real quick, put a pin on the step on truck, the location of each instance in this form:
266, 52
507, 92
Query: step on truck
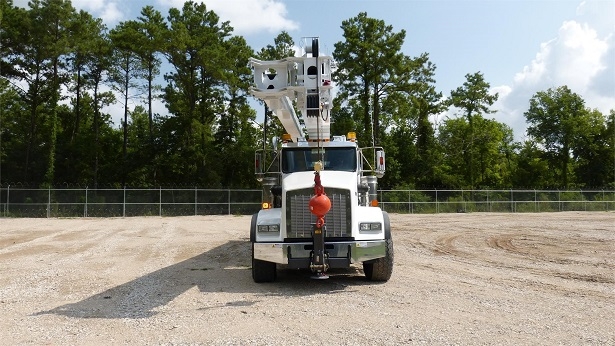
320, 207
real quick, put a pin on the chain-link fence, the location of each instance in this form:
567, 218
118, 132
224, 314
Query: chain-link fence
515, 201
26, 202
84, 202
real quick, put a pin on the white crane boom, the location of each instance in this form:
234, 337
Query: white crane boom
305, 80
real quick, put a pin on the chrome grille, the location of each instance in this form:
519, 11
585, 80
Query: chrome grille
299, 220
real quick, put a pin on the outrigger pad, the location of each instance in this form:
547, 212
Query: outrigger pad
320, 276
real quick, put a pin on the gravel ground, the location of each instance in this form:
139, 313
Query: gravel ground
467, 279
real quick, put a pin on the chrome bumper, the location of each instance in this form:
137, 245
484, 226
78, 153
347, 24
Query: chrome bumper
360, 251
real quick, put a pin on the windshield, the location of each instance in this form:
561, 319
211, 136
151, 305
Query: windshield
303, 159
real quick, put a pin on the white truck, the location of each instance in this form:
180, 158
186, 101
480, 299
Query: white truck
320, 207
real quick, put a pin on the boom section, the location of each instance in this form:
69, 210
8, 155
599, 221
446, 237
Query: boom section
302, 83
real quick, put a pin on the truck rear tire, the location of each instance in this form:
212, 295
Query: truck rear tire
380, 269
263, 271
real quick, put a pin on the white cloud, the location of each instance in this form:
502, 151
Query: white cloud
90, 5
247, 16
578, 58
581, 8
574, 58
536, 70
502, 91
107, 10
111, 13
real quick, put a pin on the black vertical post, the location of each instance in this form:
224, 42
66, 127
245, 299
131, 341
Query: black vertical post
319, 260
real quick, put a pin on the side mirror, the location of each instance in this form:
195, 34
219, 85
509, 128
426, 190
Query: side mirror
380, 163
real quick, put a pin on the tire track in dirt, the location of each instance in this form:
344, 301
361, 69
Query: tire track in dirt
536, 259
30, 242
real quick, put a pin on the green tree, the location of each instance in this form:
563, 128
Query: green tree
283, 47
12, 107
96, 73
412, 131
38, 62
556, 118
427, 103
138, 149
235, 137
11, 25
492, 148
532, 169
12, 141
148, 46
57, 15
75, 126
196, 49
474, 100
125, 73
371, 67
342, 119
453, 138
151, 31
593, 151
83, 32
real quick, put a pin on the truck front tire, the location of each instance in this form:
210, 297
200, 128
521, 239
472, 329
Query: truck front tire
263, 271
380, 269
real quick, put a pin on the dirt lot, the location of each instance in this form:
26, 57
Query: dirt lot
458, 279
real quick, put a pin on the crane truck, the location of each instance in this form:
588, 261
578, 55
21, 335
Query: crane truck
320, 207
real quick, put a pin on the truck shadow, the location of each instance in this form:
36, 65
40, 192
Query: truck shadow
220, 269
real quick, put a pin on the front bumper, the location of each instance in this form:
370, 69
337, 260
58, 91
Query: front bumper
340, 253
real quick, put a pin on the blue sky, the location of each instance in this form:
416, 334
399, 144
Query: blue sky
521, 47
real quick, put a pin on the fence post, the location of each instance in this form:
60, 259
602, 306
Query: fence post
195, 201
535, 201
159, 200
48, 201
228, 191
8, 191
437, 205
409, 203
124, 203
512, 201
85, 207
488, 203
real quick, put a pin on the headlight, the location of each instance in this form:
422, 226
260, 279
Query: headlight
269, 228
370, 227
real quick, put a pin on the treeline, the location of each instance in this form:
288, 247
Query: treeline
62, 69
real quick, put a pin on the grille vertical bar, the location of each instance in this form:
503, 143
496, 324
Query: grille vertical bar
299, 220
